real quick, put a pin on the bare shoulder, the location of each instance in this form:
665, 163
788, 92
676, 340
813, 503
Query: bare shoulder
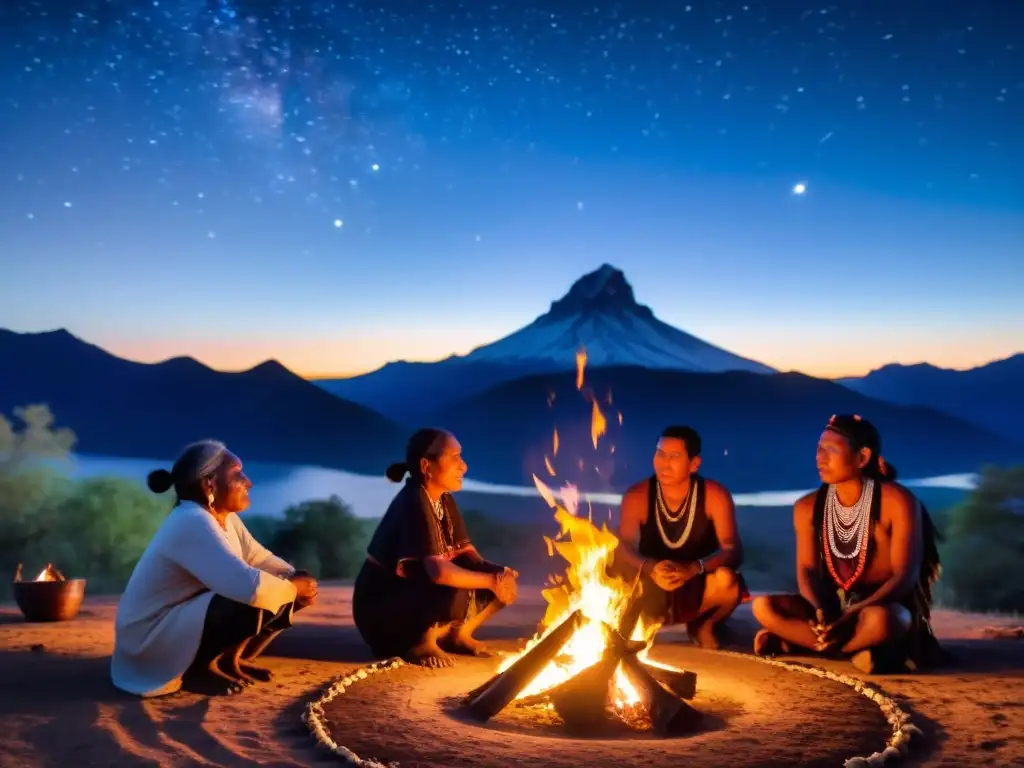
803, 509
634, 500
896, 499
637, 491
717, 495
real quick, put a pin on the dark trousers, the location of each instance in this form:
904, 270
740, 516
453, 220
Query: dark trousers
230, 623
393, 613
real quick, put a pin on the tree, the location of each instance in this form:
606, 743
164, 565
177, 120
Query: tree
324, 537
29, 488
101, 529
985, 545
95, 528
37, 439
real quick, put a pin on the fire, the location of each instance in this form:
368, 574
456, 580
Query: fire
49, 573
598, 424
586, 586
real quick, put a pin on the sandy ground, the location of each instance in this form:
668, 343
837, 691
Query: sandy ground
58, 708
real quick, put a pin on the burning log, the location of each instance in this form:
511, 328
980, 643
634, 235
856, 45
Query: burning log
582, 700
667, 711
496, 694
681, 682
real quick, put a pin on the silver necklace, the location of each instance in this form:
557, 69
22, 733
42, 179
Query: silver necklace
688, 509
438, 507
844, 525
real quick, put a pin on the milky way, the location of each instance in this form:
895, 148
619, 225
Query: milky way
337, 117
307, 96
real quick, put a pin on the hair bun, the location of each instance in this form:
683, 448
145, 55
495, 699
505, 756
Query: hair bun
396, 471
160, 481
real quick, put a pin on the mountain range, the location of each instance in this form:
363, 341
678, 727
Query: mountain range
504, 399
991, 395
117, 407
759, 431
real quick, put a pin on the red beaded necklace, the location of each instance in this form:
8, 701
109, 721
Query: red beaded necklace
861, 560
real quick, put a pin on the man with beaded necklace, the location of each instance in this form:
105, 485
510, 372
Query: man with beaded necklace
679, 530
866, 562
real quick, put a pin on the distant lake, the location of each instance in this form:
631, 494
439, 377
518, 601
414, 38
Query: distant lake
277, 486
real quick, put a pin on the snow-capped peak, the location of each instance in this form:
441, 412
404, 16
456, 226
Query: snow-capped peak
601, 313
604, 290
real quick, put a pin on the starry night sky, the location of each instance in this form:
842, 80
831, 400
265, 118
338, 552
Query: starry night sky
340, 184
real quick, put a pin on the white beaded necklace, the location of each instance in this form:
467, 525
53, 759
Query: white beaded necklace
846, 524
687, 508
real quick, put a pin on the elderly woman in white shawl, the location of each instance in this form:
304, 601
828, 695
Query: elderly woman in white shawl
205, 598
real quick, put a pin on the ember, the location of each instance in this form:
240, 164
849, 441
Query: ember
588, 659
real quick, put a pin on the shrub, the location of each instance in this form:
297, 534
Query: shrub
323, 537
985, 544
95, 528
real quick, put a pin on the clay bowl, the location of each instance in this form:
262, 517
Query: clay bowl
49, 600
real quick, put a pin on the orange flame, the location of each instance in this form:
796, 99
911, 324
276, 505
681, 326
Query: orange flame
49, 573
554, 443
598, 424
586, 585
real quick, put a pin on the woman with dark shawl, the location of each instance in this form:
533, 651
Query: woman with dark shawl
205, 598
867, 560
424, 589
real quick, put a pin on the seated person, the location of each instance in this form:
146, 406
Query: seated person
205, 598
424, 589
680, 530
866, 562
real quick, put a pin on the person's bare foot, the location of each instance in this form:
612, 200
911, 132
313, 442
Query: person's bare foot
214, 681
706, 637
768, 644
467, 645
863, 661
236, 668
428, 654
702, 632
255, 671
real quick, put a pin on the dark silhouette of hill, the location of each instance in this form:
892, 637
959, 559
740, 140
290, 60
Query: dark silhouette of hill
122, 408
759, 431
599, 312
991, 395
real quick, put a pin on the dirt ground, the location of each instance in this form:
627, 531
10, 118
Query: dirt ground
58, 708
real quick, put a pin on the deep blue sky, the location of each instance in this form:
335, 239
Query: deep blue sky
193, 176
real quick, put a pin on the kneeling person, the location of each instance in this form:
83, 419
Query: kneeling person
679, 529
